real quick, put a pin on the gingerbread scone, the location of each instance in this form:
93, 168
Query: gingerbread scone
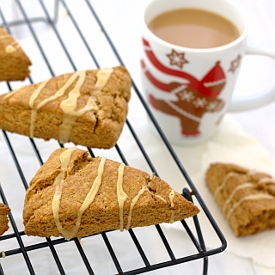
14, 63
74, 195
86, 107
246, 197
4, 212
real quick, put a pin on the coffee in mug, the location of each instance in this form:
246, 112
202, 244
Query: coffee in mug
193, 28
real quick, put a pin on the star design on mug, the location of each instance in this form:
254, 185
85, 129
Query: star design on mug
235, 63
177, 59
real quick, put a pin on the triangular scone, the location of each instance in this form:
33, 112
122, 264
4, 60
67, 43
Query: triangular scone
73, 195
87, 107
14, 63
246, 197
4, 211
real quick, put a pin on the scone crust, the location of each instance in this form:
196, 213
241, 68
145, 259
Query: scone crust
4, 211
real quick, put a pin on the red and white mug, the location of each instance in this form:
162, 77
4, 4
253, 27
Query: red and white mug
189, 90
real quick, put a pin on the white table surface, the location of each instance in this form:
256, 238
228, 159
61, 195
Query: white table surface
121, 18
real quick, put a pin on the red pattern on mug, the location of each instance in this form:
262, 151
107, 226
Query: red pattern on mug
194, 99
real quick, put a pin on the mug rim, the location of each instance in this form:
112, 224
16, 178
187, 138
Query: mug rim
238, 40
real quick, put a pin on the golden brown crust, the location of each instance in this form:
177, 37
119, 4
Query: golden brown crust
14, 63
152, 207
4, 211
246, 197
98, 128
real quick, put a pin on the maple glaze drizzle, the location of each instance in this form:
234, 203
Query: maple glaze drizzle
133, 203
267, 180
11, 48
58, 94
248, 198
10, 94
171, 197
226, 178
230, 197
5, 36
88, 199
69, 105
64, 159
121, 195
161, 198
34, 95
258, 196
172, 217
68, 234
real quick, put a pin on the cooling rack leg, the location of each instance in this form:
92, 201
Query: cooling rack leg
1, 270
35, 19
205, 266
186, 193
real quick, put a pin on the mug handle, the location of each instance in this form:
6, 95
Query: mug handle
247, 103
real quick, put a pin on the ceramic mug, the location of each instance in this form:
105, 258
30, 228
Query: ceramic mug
189, 89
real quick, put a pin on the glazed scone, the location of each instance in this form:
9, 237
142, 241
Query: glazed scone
14, 63
88, 108
246, 197
4, 212
74, 195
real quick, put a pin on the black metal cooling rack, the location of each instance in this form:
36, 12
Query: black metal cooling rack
191, 230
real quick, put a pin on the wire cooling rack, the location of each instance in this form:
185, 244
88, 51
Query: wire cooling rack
50, 31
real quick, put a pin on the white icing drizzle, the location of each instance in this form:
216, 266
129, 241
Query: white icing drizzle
133, 203
64, 158
248, 198
68, 234
230, 197
121, 195
226, 178
171, 197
